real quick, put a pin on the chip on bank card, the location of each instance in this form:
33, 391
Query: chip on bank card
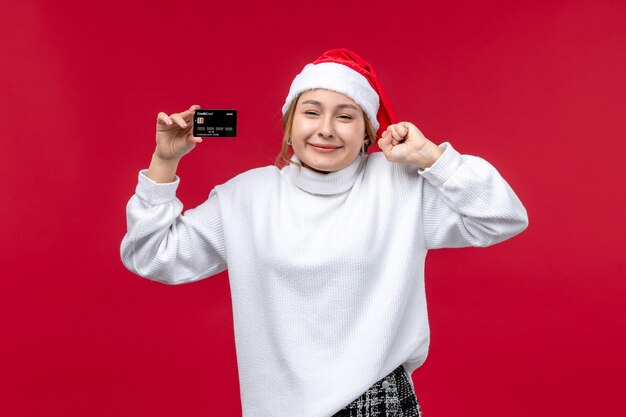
215, 123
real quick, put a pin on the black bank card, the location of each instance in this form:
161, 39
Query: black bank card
215, 123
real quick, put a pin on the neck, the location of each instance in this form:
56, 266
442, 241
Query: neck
325, 182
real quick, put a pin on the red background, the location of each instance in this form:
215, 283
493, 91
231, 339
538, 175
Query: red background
533, 326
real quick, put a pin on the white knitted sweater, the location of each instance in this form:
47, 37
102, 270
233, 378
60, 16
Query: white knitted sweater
326, 271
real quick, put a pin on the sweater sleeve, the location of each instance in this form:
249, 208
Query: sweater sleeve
467, 203
164, 245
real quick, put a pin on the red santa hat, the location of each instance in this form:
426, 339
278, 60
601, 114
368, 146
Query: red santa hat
345, 72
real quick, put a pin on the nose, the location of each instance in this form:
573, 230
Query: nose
326, 129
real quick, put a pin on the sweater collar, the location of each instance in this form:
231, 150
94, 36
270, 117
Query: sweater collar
336, 182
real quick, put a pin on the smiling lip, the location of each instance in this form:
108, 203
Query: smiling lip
324, 148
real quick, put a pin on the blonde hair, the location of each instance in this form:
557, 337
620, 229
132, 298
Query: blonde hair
284, 158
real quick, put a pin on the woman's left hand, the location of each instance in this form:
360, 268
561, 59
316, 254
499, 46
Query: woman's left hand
403, 142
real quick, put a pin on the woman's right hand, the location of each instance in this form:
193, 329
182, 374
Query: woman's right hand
174, 135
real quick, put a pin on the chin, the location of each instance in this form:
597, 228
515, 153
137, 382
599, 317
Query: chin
329, 166
321, 168
325, 164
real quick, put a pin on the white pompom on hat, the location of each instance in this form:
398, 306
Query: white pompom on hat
345, 72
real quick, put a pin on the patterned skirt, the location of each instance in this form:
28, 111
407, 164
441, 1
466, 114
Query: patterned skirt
392, 396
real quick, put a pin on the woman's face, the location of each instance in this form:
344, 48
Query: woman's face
328, 130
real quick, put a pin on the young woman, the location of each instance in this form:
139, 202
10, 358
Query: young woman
325, 255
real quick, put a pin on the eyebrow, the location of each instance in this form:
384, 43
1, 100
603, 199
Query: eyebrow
340, 106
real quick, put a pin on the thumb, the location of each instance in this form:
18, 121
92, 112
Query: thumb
384, 143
